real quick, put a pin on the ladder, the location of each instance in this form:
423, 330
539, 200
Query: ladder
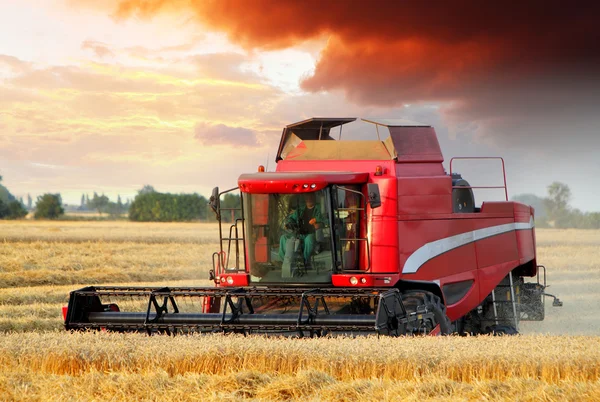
511, 296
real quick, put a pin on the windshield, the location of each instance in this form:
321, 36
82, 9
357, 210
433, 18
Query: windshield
289, 237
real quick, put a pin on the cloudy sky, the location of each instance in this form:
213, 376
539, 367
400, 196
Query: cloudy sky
110, 95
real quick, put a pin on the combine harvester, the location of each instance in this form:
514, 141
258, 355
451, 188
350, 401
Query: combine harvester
348, 237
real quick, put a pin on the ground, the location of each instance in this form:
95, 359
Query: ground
40, 262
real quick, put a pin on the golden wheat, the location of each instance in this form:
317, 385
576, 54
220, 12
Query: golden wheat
567, 237
74, 231
57, 263
117, 366
255, 386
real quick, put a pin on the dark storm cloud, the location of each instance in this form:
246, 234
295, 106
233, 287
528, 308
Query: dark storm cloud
510, 73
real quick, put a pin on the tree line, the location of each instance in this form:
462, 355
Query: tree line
149, 205
165, 207
554, 210
152, 206
102, 204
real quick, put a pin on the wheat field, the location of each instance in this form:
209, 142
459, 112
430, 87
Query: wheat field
126, 367
40, 262
109, 231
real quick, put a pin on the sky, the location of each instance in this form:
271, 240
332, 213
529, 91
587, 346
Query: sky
109, 95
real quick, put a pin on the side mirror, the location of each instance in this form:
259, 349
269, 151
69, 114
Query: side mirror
214, 202
374, 197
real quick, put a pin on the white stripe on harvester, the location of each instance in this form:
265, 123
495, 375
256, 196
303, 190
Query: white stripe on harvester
435, 248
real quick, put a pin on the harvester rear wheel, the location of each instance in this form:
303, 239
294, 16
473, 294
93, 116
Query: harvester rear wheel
418, 301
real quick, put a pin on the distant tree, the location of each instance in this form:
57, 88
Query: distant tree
231, 201
82, 204
48, 206
3, 209
557, 204
147, 189
99, 202
5, 195
594, 220
16, 210
160, 207
29, 202
559, 195
114, 209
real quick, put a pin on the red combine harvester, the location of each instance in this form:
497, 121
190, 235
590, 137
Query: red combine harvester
348, 237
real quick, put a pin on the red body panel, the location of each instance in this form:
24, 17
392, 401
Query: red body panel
429, 195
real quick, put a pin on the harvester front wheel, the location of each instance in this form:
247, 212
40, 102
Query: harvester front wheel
417, 302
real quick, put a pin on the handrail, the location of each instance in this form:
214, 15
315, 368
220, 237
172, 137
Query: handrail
483, 187
232, 229
219, 256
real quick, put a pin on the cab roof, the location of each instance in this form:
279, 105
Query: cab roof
310, 139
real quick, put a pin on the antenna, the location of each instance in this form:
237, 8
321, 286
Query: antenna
268, 157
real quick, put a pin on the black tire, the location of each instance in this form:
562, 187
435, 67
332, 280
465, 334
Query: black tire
417, 300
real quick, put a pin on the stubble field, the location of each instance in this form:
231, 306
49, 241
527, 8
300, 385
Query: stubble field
558, 359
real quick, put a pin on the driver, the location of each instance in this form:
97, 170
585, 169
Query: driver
305, 220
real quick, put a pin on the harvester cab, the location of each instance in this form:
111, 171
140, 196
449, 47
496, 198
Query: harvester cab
358, 236
301, 237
